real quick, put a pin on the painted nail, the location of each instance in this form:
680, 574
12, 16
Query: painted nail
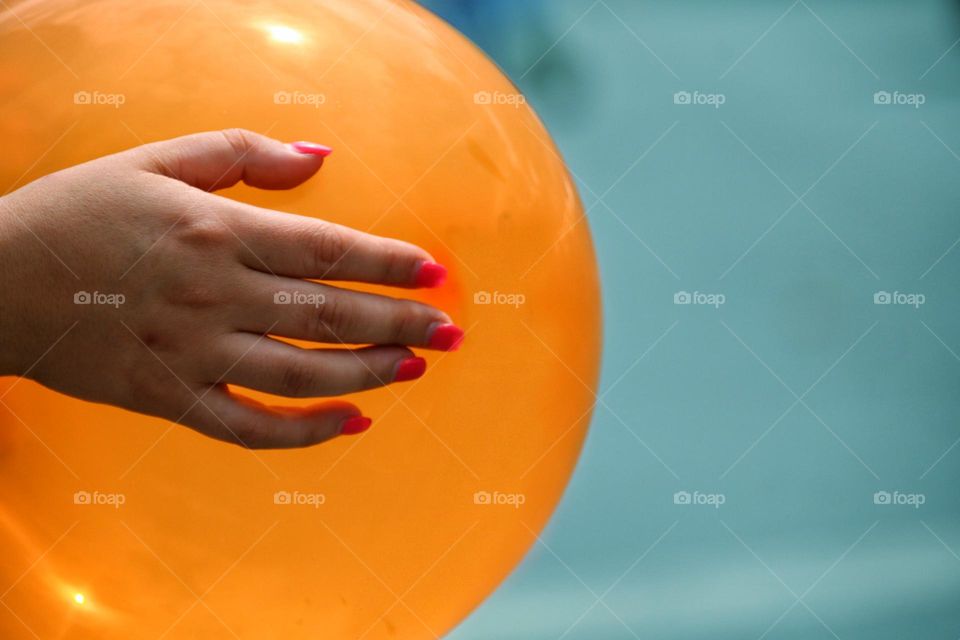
446, 337
311, 149
355, 425
431, 274
410, 369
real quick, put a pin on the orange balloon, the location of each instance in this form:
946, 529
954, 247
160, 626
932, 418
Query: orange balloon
117, 525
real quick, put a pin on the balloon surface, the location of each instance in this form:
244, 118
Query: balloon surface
117, 525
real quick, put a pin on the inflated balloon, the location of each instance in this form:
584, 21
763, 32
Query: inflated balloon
116, 525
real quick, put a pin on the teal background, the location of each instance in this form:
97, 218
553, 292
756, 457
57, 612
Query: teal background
799, 398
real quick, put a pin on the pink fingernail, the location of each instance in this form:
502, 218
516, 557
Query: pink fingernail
446, 337
410, 369
355, 425
431, 274
311, 149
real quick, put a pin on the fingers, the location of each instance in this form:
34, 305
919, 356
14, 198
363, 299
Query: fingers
275, 367
300, 247
219, 159
234, 418
282, 243
322, 313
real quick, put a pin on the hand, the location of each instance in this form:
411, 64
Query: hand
125, 281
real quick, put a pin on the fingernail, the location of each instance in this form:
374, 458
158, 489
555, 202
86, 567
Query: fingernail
355, 425
446, 337
431, 274
311, 149
410, 369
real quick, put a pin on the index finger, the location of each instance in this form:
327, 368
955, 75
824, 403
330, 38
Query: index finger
297, 246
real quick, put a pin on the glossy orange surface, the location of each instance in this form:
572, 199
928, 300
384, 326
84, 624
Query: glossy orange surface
115, 525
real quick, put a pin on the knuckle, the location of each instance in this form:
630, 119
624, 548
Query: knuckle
334, 319
312, 322
395, 265
202, 231
358, 377
327, 246
407, 322
298, 379
241, 140
194, 295
248, 435
370, 378
146, 384
157, 338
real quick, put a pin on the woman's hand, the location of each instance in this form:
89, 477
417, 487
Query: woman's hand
125, 281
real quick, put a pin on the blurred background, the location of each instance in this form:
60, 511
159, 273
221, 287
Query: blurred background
773, 189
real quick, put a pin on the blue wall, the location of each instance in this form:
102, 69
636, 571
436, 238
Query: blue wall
796, 400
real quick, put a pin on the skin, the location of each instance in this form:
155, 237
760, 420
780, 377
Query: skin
199, 273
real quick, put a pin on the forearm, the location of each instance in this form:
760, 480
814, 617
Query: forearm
11, 313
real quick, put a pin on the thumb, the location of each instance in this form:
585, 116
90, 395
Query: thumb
220, 159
